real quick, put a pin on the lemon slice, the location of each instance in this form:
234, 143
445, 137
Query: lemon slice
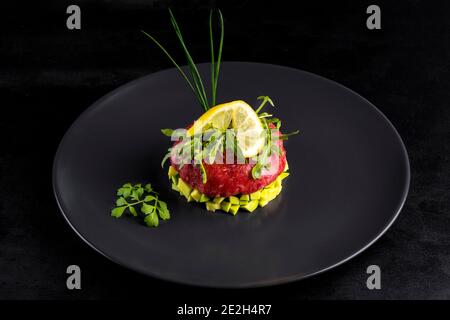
241, 117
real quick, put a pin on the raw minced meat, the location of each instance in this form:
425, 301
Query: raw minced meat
225, 180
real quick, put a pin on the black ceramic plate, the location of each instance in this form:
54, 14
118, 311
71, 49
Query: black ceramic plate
349, 179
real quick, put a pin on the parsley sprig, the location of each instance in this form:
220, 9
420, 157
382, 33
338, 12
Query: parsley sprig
141, 201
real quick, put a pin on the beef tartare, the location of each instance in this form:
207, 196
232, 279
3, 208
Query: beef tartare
232, 157
202, 169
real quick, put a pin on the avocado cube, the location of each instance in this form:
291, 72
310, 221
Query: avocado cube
172, 172
277, 190
225, 206
174, 179
284, 175
269, 186
251, 206
218, 199
245, 197
277, 183
263, 203
268, 195
265, 193
175, 187
185, 189
211, 206
234, 200
234, 209
255, 195
196, 195
203, 198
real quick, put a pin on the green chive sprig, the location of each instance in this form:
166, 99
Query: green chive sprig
195, 81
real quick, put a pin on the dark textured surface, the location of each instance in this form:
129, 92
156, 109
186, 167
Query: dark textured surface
49, 75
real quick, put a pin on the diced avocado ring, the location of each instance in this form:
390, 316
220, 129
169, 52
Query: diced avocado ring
232, 204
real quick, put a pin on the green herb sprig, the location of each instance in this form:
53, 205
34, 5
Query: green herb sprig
203, 148
264, 99
271, 145
195, 81
141, 201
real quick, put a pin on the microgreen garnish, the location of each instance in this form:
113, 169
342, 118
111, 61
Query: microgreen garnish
202, 172
208, 145
205, 147
195, 82
271, 145
141, 201
214, 145
264, 99
167, 132
285, 136
262, 160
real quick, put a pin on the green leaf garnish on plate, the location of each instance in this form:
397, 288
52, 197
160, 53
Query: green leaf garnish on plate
141, 201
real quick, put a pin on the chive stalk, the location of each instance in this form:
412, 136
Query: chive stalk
195, 81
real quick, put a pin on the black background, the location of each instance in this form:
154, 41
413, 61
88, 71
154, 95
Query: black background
49, 75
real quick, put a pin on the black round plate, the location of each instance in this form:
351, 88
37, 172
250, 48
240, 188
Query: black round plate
349, 179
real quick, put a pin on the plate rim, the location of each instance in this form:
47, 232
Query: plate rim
255, 284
